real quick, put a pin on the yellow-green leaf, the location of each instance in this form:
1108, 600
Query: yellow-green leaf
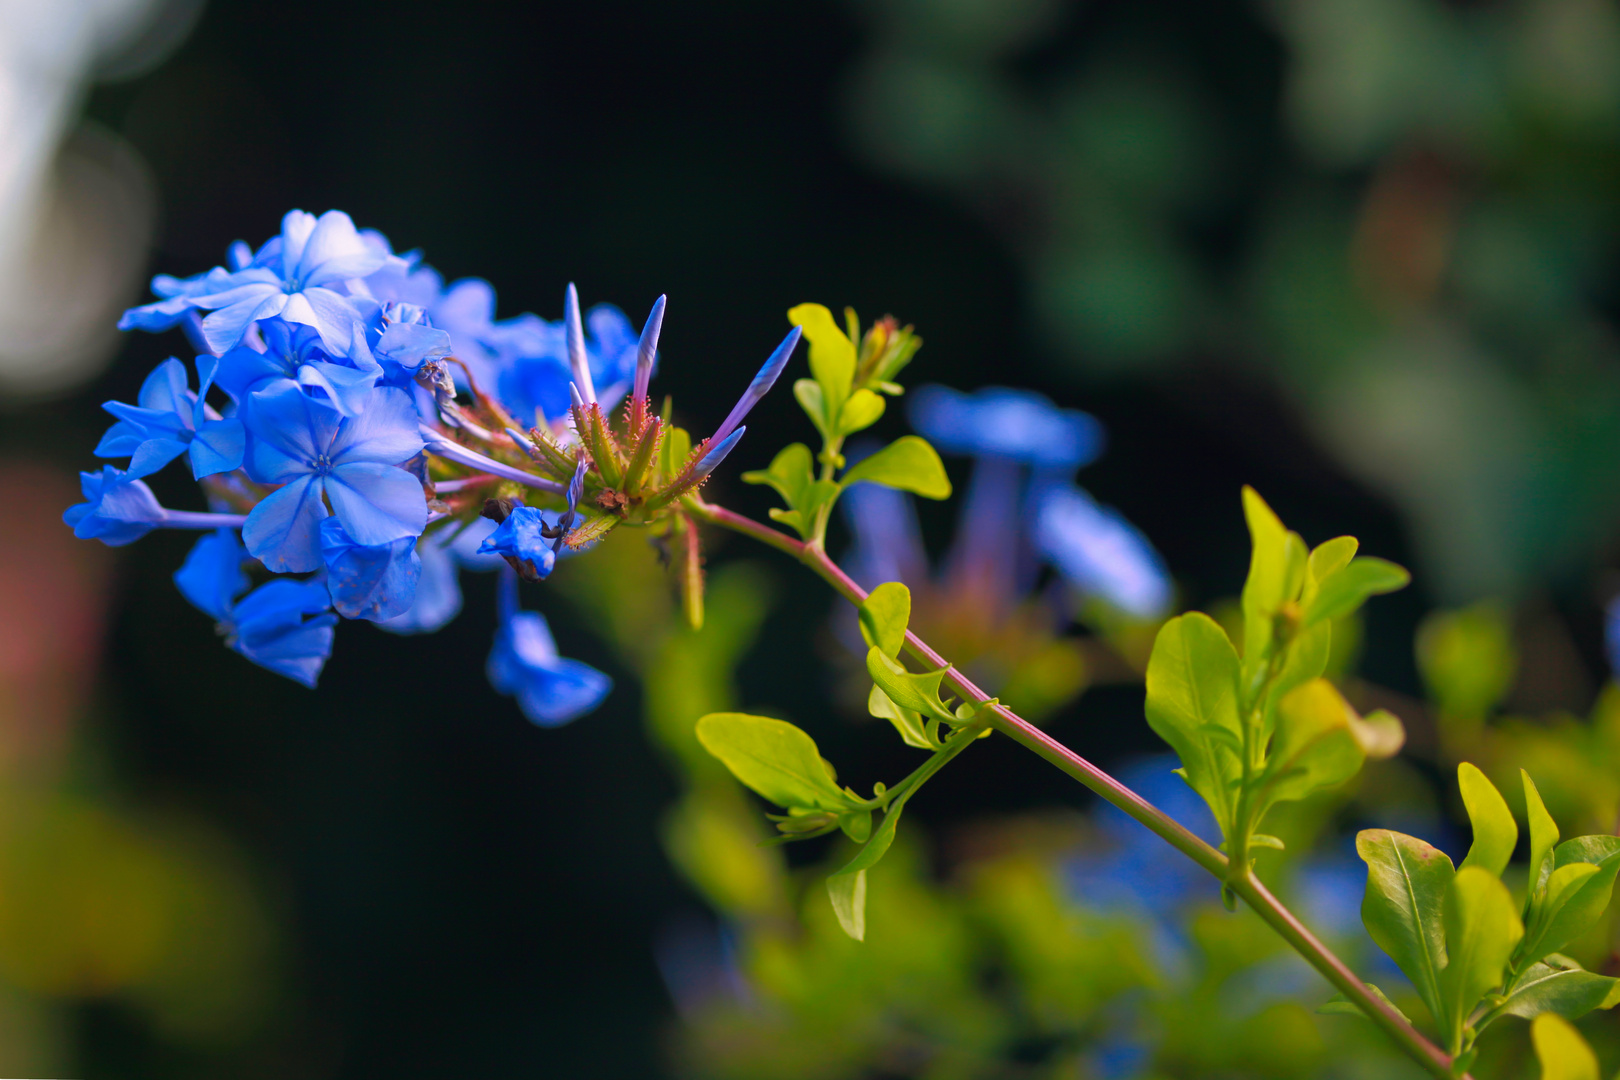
832, 354
908, 722
774, 758
1543, 839
908, 464
1482, 929
1276, 574
884, 615
1495, 832
919, 693
861, 411
1558, 985
1347, 588
1562, 1052
1192, 704
1407, 881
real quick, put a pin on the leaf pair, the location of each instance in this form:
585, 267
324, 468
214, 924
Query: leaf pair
907, 464
843, 397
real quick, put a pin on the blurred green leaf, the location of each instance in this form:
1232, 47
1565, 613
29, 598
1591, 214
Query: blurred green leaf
847, 888
1543, 839
1347, 588
1562, 1052
1407, 881
1467, 659
1326, 559
1314, 746
1495, 833
861, 411
1482, 928
907, 464
1192, 704
774, 758
1558, 985
884, 615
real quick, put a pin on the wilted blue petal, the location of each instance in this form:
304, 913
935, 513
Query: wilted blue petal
519, 537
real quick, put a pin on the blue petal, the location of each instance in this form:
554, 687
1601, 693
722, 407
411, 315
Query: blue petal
121, 440
153, 454
167, 389
1101, 554
346, 389
156, 317
438, 590
289, 432
297, 651
519, 537
549, 689
281, 600
218, 447
117, 510
283, 531
212, 577
243, 369
377, 503
223, 329
369, 581
387, 430
409, 344
998, 421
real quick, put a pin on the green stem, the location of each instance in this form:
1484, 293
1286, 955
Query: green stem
1021, 731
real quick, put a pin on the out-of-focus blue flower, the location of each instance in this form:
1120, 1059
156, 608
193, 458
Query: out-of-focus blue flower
1100, 553
296, 354
550, 689
318, 455
177, 294
438, 590
292, 276
522, 536
117, 509
532, 361
169, 420
271, 625
1002, 422
369, 581
1611, 635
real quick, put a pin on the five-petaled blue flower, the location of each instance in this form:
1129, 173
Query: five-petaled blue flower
318, 455
270, 625
117, 509
550, 689
169, 420
295, 354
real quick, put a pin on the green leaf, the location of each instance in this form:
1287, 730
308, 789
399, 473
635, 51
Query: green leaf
908, 722
774, 758
1495, 833
1564, 1055
1467, 659
1577, 892
1276, 574
1338, 1003
1326, 558
860, 412
1482, 928
908, 464
919, 693
832, 354
1407, 881
847, 888
1543, 839
1557, 986
1346, 589
791, 473
857, 825
1192, 705
813, 400
884, 615
1319, 742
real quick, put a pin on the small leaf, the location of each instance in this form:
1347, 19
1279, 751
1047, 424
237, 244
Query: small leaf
1276, 574
1577, 892
1563, 988
1543, 839
791, 473
1192, 705
809, 395
1327, 558
919, 693
1348, 588
847, 888
1407, 881
1338, 1003
884, 615
907, 464
832, 354
1314, 746
908, 722
857, 825
774, 758
861, 411
1564, 1055
1482, 929
1495, 833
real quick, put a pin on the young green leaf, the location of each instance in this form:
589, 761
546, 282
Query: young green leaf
1564, 1055
919, 693
791, 473
1192, 704
774, 758
1339, 1004
847, 888
908, 722
1314, 746
813, 400
1276, 574
907, 464
1557, 985
1482, 928
861, 411
1577, 892
1495, 833
1346, 589
1407, 881
857, 825
884, 615
1326, 559
1543, 839
832, 354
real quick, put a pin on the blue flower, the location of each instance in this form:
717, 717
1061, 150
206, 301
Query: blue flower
169, 420
296, 354
405, 338
375, 581
438, 588
292, 276
269, 625
522, 539
1002, 422
532, 358
118, 509
549, 689
1100, 553
319, 456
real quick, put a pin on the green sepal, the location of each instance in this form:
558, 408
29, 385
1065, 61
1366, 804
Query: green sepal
1192, 704
1495, 832
1339, 1004
677, 448
884, 615
1402, 909
589, 531
775, 759
641, 458
1555, 984
907, 464
919, 693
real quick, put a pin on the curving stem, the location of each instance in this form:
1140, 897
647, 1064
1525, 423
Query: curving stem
1021, 731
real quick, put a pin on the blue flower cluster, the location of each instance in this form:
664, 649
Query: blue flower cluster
338, 462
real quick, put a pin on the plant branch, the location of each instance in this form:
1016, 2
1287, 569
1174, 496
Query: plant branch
1021, 731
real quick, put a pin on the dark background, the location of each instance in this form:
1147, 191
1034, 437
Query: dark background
461, 892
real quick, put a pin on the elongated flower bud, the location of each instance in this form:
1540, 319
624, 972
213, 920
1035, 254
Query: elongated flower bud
760, 386
645, 353
574, 328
